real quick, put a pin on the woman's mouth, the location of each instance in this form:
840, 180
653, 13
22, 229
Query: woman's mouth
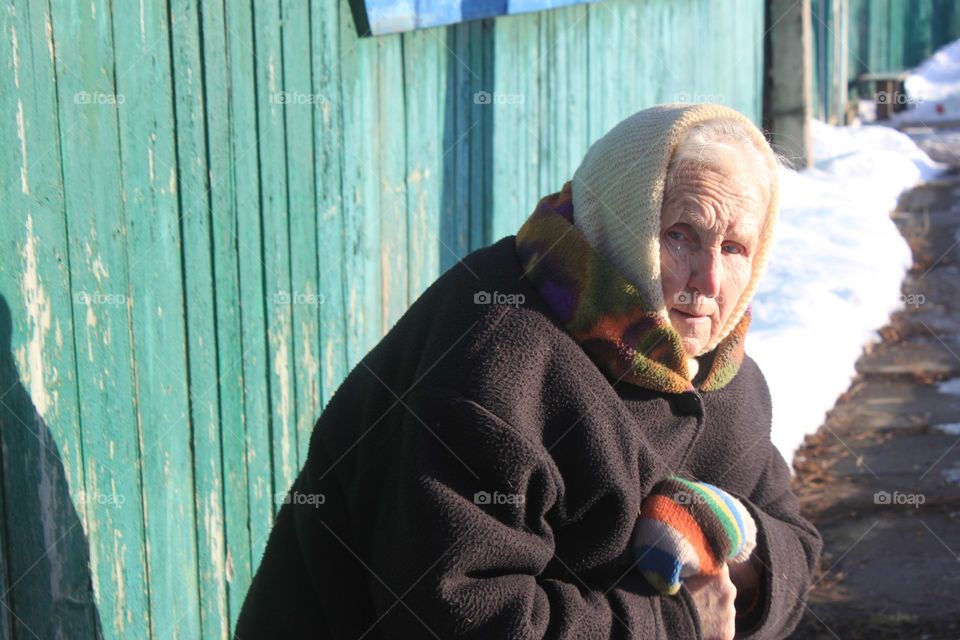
688, 317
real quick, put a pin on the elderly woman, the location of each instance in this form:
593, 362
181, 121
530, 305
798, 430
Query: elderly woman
563, 436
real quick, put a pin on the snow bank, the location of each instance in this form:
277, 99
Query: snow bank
835, 270
933, 89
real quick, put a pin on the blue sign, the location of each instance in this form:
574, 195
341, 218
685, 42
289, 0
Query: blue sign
380, 17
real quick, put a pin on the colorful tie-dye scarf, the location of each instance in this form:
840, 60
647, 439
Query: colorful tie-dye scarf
619, 329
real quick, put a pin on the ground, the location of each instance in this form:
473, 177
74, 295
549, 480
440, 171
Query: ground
880, 479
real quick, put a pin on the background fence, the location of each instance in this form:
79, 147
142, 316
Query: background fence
855, 37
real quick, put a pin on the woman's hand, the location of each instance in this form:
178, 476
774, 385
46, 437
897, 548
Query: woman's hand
714, 597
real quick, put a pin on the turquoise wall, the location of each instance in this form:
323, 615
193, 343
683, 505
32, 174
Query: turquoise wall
212, 211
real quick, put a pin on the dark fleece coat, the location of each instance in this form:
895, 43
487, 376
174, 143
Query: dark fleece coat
477, 476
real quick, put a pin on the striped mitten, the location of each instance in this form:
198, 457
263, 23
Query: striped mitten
689, 528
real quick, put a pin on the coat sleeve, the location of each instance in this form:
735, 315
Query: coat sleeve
464, 539
789, 550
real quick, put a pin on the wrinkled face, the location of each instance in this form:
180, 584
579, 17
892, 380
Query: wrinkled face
710, 226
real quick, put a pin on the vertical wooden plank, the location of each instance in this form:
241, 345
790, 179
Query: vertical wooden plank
392, 170
361, 188
148, 142
604, 51
843, 38
945, 22
648, 65
575, 57
823, 57
545, 135
515, 148
859, 41
729, 30
425, 60
538, 79
828, 87
96, 227
836, 54
226, 162
462, 119
816, 58
246, 204
681, 81
879, 32
897, 27
194, 206
305, 303
658, 80
917, 32
731, 34
328, 140
44, 556
276, 241
738, 86
478, 140
565, 91
755, 87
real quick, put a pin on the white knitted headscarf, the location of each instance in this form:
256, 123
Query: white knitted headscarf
618, 194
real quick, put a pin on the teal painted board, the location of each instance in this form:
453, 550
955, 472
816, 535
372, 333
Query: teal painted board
45, 583
878, 50
360, 187
249, 247
604, 50
918, 32
567, 74
945, 23
391, 167
464, 95
151, 217
199, 302
478, 141
857, 40
100, 290
306, 305
329, 152
515, 155
271, 132
222, 164
425, 59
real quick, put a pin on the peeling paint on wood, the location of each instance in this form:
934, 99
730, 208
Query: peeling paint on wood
38, 315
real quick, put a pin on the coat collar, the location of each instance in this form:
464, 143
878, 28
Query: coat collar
615, 325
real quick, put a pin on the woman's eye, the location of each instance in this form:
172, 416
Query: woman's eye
676, 236
732, 247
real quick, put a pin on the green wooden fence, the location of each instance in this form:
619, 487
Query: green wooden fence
211, 211
875, 36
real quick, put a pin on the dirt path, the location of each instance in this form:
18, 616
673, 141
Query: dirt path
881, 478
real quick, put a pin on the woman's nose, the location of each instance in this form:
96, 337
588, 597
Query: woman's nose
707, 273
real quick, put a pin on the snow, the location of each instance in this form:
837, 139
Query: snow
933, 89
835, 270
838, 261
